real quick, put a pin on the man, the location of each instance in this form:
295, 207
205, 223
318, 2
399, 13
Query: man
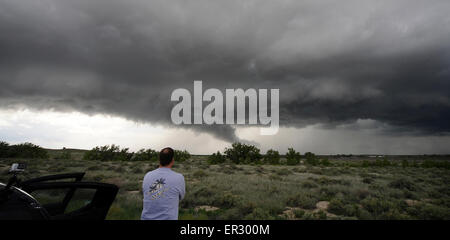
163, 189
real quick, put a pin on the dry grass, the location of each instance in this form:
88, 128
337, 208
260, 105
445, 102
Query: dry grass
343, 190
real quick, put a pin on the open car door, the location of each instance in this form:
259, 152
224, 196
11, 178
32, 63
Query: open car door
57, 206
71, 199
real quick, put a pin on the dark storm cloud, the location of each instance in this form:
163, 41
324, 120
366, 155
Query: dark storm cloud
334, 62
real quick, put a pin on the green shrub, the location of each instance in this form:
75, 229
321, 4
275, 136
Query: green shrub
377, 206
309, 184
272, 157
94, 168
23, 150
305, 201
259, 214
325, 162
362, 193
115, 153
200, 174
145, 155
275, 177
131, 186
329, 181
380, 163
226, 200
394, 214
403, 183
65, 154
327, 193
339, 208
247, 207
181, 156
299, 213
137, 170
368, 180
405, 163
242, 153
108, 153
216, 158
437, 164
320, 215
430, 212
120, 169
311, 159
231, 214
282, 172
386, 162
260, 169
193, 216
292, 157
365, 163
4, 149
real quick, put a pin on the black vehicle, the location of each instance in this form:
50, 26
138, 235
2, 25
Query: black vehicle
17, 201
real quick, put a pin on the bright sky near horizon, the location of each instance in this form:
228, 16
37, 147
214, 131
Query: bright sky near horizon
52, 129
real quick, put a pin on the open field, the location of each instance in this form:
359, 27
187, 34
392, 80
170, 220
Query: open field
345, 189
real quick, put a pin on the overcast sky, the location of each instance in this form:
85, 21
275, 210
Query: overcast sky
354, 76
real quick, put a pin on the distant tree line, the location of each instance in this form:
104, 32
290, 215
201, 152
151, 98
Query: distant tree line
115, 153
23, 150
240, 153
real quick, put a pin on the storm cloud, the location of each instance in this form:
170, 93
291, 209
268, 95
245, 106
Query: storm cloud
335, 62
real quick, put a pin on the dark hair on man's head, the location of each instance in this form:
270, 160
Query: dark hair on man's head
166, 156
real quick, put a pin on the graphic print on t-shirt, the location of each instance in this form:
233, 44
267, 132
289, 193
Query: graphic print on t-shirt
157, 189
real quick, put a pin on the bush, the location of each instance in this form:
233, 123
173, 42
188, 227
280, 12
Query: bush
272, 157
216, 158
432, 212
403, 183
309, 184
362, 193
365, 163
325, 162
311, 159
94, 168
200, 174
282, 172
181, 156
327, 193
436, 164
379, 163
4, 149
305, 201
65, 154
386, 162
226, 200
299, 213
292, 157
23, 150
368, 180
339, 208
405, 163
259, 214
145, 155
242, 153
137, 170
376, 206
108, 153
